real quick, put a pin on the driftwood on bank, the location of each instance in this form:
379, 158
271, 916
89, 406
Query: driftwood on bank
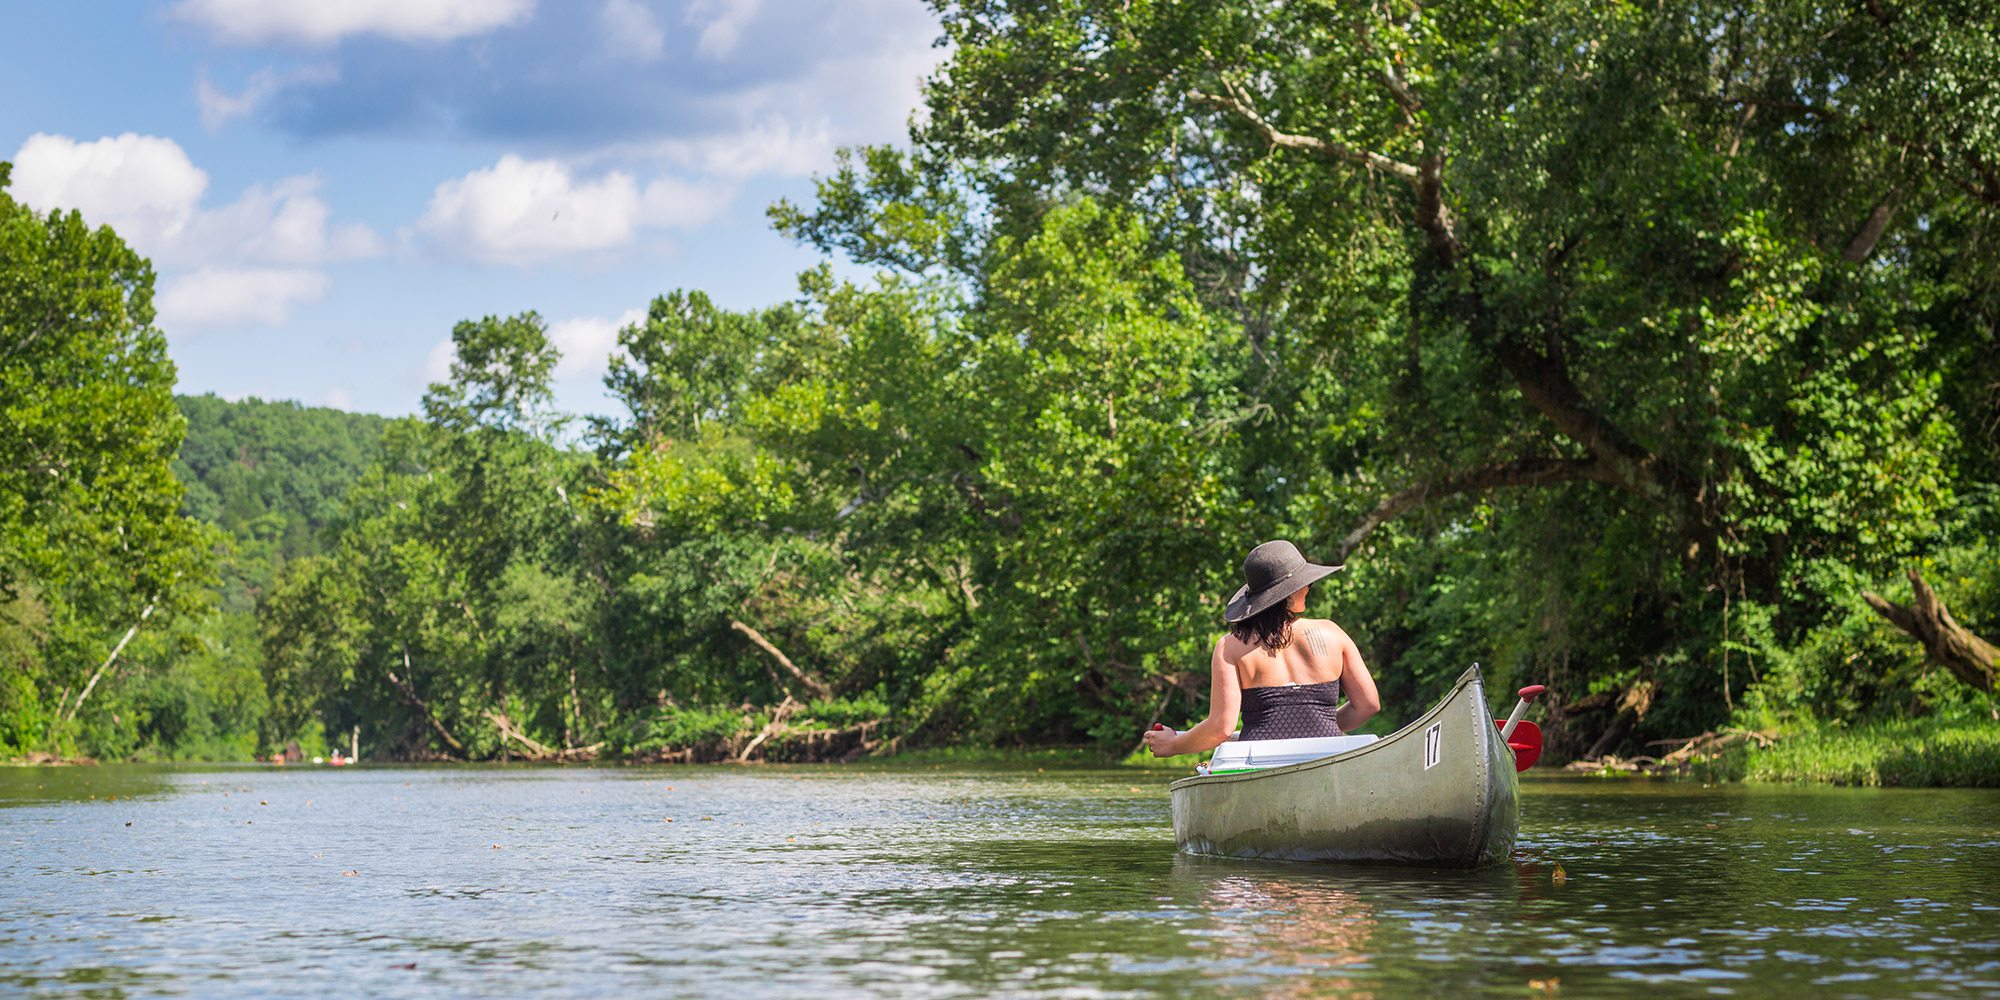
779, 742
785, 708
1969, 658
1688, 751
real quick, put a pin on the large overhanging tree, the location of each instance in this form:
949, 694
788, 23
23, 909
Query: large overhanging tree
1725, 264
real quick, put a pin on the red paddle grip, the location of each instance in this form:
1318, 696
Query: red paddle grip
1532, 691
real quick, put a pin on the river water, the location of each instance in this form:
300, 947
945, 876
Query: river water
934, 882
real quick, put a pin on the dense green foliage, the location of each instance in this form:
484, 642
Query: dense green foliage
1617, 347
1620, 346
92, 541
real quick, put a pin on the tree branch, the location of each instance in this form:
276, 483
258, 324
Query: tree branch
1234, 101
108, 661
1969, 658
1545, 383
410, 695
1433, 215
819, 690
1520, 472
1863, 244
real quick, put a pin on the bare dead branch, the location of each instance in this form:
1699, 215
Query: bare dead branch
819, 690
98, 674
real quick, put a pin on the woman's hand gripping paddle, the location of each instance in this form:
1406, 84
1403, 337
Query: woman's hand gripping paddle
1522, 737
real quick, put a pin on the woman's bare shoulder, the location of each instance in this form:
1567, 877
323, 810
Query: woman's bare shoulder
1321, 634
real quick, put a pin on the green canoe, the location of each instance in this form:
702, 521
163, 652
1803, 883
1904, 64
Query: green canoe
1439, 792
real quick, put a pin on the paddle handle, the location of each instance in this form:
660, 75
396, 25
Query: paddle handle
1528, 694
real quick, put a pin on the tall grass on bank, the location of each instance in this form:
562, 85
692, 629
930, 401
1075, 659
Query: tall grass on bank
1912, 753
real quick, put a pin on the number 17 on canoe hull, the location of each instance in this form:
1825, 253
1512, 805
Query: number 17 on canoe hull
1440, 792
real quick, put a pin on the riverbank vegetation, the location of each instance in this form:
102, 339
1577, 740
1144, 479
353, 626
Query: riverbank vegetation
1620, 349
1910, 753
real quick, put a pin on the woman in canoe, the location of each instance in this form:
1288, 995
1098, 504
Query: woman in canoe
1284, 674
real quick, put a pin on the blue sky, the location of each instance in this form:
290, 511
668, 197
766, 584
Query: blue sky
326, 187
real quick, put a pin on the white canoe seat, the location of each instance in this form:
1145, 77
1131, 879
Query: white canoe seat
1239, 754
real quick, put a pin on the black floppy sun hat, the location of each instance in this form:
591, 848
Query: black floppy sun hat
1272, 572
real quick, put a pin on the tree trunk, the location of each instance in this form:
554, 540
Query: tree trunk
1969, 658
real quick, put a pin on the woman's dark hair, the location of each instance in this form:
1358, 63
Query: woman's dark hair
1270, 628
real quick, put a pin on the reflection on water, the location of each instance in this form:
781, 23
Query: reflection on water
885, 881
1306, 927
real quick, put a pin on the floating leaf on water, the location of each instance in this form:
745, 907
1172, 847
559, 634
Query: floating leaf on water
670, 819
496, 847
1559, 876
263, 802
706, 818
1549, 985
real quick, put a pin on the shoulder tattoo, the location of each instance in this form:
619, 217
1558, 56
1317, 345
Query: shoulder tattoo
1318, 641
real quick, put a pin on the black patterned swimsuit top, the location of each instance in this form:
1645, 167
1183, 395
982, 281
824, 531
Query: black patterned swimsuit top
1290, 711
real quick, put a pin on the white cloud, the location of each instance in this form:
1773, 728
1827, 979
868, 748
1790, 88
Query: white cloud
324, 22
234, 266
143, 186
235, 298
722, 23
284, 222
525, 211
588, 343
219, 107
147, 189
437, 364
630, 30
339, 398
770, 145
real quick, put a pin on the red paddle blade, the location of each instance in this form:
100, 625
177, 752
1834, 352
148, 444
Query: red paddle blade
1526, 743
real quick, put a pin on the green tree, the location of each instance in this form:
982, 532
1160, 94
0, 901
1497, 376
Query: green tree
92, 541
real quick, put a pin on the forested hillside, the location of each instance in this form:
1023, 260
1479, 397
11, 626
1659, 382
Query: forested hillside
1621, 349
272, 476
